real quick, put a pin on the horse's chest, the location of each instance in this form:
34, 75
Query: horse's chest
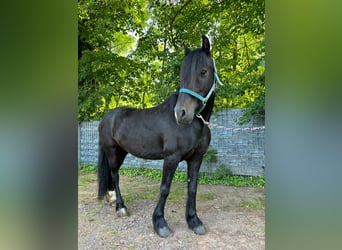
194, 139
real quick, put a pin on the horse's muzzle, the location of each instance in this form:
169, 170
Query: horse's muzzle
183, 115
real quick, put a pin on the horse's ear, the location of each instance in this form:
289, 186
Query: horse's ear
186, 50
205, 44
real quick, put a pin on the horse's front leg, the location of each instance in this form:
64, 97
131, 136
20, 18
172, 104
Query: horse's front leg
192, 219
159, 223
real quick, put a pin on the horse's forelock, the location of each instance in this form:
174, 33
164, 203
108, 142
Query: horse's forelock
193, 59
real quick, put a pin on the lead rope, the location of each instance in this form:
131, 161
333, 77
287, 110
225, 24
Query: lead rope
212, 125
204, 121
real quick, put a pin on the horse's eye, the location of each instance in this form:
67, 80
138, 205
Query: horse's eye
203, 72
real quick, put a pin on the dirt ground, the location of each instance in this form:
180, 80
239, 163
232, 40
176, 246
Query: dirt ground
233, 217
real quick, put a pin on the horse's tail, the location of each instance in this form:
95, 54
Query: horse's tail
103, 173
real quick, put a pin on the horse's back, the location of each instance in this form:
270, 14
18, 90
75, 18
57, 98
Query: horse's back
152, 133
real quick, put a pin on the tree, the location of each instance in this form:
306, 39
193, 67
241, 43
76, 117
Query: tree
130, 52
106, 38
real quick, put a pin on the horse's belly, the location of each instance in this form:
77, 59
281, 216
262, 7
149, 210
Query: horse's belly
148, 155
146, 152
146, 148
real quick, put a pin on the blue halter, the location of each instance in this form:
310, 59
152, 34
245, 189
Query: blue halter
211, 91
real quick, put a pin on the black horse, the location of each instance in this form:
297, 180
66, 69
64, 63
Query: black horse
171, 131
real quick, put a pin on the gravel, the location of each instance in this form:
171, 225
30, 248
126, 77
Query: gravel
233, 217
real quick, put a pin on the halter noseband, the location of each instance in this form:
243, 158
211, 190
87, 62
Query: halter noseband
211, 91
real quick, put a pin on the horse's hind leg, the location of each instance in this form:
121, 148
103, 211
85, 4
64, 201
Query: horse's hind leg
116, 156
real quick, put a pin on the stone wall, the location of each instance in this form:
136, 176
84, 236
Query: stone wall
239, 148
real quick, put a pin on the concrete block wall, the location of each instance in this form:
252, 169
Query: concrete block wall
241, 151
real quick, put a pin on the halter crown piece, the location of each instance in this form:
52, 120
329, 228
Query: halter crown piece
211, 91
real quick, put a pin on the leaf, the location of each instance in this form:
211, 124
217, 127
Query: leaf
130, 52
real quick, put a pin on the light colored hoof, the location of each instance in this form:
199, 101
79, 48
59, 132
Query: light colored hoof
110, 197
200, 230
164, 231
122, 212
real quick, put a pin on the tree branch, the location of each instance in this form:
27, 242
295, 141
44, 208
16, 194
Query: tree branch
179, 11
174, 18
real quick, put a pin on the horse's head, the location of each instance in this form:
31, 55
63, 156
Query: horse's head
197, 82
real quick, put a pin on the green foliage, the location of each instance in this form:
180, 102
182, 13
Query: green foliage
210, 155
221, 177
209, 195
130, 52
232, 180
257, 203
87, 168
222, 172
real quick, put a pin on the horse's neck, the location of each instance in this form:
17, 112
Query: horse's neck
168, 103
206, 113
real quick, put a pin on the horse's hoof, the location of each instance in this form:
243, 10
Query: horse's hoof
110, 197
199, 230
164, 231
122, 212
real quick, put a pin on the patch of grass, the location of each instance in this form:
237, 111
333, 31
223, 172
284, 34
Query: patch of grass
180, 176
177, 193
232, 180
210, 155
256, 204
222, 172
144, 193
221, 177
155, 174
210, 195
84, 180
87, 168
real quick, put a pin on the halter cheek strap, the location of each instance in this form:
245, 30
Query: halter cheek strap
211, 91
199, 97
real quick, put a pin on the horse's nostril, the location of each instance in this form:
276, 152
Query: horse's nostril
183, 113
